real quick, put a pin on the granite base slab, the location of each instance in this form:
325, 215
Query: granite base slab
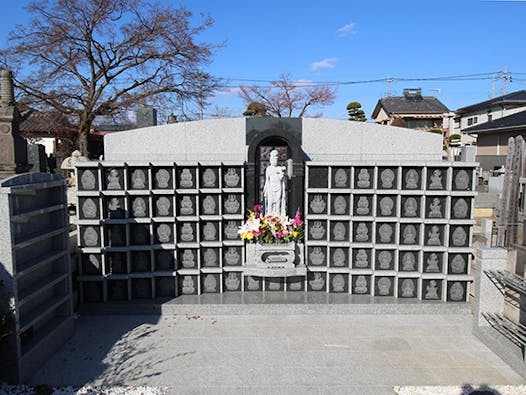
276, 303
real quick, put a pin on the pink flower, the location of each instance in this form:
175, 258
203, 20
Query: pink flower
297, 220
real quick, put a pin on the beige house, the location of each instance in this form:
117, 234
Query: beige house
412, 110
492, 138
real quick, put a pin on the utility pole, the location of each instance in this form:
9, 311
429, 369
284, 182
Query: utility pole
505, 77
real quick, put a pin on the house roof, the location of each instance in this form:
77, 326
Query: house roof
410, 105
509, 123
48, 122
511, 99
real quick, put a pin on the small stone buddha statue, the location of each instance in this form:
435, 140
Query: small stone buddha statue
386, 206
432, 264
409, 234
462, 180
362, 233
338, 283
387, 176
338, 257
113, 180
209, 205
456, 292
188, 285
435, 209
188, 259
361, 259
139, 207
317, 204
384, 286
340, 178
163, 206
186, 206
431, 290
317, 283
340, 205
411, 179
317, 231
360, 287
185, 179
339, 231
187, 232
138, 179
436, 180
362, 206
410, 207
232, 282
434, 236
408, 288
316, 257
408, 262
363, 179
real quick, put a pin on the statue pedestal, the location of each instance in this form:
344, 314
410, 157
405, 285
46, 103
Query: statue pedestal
274, 260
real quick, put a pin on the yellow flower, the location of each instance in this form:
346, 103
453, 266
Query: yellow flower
294, 234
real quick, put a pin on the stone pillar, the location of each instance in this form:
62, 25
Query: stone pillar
486, 228
13, 147
488, 298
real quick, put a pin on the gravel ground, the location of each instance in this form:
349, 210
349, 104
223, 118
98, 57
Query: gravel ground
465, 390
6, 389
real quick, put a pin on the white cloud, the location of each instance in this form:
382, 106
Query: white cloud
227, 92
346, 30
328, 63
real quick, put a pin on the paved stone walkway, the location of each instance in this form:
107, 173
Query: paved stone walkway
276, 354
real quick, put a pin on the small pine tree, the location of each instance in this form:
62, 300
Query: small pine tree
354, 109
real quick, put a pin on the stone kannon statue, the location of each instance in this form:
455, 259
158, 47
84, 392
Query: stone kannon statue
275, 189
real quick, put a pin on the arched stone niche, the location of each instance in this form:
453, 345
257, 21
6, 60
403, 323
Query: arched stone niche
264, 134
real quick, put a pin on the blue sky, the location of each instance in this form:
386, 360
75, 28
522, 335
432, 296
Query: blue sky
352, 41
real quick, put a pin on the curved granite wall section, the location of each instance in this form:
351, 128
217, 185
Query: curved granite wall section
336, 140
217, 140
226, 139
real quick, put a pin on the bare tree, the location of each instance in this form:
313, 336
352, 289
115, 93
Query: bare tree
286, 98
92, 58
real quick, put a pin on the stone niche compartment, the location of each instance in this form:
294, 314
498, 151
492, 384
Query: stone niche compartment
387, 178
407, 287
339, 283
316, 281
162, 178
364, 177
339, 257
386, 205
340, 205
362, 258
341, 177
362, 205
408, 261
317, 203
361, 284
138, 178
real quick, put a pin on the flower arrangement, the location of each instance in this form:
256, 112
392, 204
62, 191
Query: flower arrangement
270, 229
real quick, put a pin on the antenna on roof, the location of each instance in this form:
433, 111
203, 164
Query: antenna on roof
389, 81
436, 90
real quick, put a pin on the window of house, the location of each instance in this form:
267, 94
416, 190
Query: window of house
490, 117
472, 120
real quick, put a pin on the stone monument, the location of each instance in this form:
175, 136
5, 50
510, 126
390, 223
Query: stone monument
13, 151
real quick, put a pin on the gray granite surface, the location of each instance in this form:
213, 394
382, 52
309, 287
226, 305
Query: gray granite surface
271, 354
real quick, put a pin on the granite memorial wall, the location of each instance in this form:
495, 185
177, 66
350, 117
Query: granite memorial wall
384, 217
